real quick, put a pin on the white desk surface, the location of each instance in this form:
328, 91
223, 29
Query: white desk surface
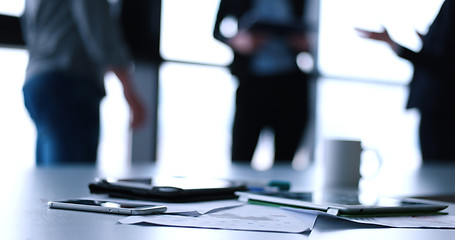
25, 191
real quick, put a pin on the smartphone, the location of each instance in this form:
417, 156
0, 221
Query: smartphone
107, 206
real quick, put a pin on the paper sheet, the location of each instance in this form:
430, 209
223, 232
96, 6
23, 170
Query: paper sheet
427, 221
433, 221
245, 217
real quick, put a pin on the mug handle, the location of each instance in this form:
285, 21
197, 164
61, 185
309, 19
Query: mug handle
378, 159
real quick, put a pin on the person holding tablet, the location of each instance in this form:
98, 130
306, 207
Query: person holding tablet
272, 91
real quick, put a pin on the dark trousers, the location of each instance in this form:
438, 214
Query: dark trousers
437, 135
65, 111
279, 103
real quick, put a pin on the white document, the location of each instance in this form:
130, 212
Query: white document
427, 221
244, 217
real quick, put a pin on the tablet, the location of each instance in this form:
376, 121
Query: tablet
343, 203
168, 189
254, 23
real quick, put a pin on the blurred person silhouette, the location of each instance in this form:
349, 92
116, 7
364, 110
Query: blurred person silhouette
272, 91
71, 45
432, 88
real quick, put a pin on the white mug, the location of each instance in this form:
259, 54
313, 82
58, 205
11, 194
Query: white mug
341, 164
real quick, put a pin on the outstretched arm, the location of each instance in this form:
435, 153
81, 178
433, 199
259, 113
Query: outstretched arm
379, 36
428, 59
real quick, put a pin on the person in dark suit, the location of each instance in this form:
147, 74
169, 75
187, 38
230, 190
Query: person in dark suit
272, 91
432, 88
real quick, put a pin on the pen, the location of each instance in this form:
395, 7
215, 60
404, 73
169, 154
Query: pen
271, 186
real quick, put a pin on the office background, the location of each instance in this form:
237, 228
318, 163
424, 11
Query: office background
360, 94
